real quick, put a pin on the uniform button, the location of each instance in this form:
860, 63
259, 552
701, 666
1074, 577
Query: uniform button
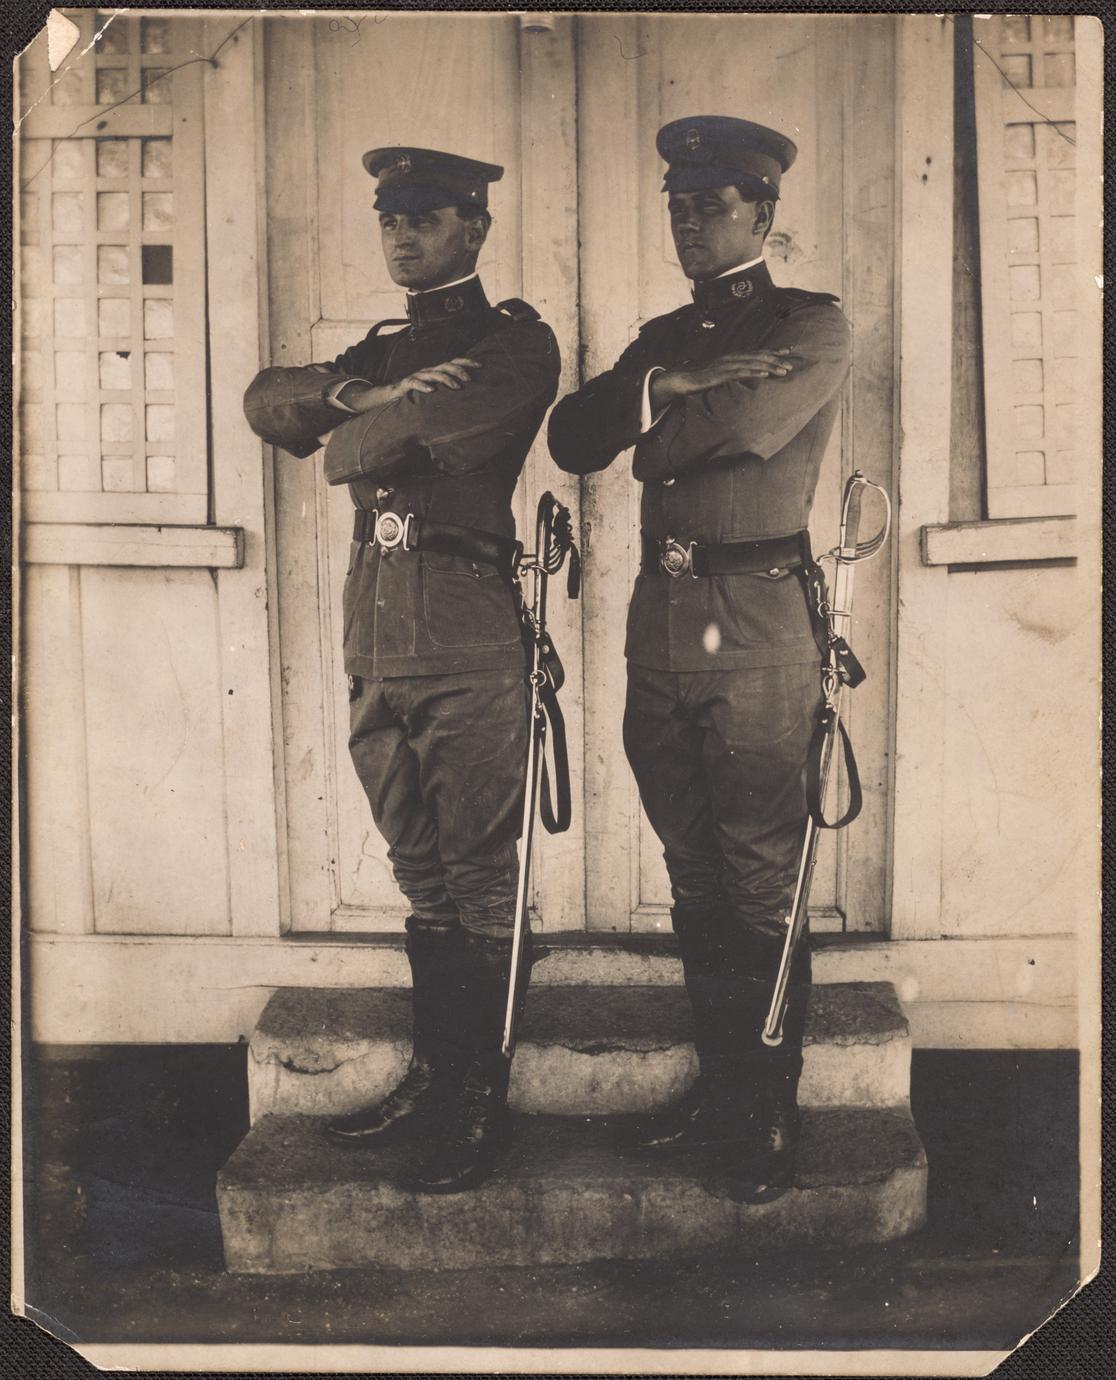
667, 483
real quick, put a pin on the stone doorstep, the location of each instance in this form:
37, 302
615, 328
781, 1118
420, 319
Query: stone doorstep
291, 1200
582, 1051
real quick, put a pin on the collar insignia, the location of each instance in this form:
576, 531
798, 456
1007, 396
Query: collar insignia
454, 304
743, 288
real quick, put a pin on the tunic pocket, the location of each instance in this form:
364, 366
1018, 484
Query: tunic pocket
467, 603
765, 610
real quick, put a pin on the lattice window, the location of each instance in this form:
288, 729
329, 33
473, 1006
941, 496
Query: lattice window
1024, 85
112, 261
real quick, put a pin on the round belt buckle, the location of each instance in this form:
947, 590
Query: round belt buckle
391, 531
674, 559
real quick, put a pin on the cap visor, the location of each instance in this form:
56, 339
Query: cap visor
411, 199
695, 177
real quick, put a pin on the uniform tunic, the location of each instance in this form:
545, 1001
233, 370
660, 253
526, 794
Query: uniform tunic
452, 456
723, 671
734, 463
433, 648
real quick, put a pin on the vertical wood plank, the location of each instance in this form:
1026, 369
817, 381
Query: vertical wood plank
195, 163
869, 431
157, 770
967, 448
59, 878
608, 194
1089, 37
292, 295
925, 150
828, 154
233, 196
548, 154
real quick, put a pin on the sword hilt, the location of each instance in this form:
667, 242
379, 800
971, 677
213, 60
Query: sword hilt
849, 546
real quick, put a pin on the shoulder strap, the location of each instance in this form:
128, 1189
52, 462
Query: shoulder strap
517, 309
793, 299
658, 322
389, 321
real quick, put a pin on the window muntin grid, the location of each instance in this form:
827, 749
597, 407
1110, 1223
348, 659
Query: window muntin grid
1026, 132
113, 406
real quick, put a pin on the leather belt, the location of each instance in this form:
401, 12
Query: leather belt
766, 555
408, 532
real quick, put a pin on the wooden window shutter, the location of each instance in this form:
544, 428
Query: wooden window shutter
113, 408
1024, 88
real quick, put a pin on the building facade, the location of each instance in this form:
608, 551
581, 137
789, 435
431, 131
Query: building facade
192, 833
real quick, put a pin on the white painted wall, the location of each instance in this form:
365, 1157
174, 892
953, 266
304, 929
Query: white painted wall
1021, 782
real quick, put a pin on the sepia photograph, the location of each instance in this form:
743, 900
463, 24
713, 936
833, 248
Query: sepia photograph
557, 679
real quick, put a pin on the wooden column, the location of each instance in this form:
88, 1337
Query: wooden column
924, 138
548, 104
608, 193
868, 292
234, 199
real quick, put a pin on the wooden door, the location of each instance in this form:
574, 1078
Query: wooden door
827, 82
486, 87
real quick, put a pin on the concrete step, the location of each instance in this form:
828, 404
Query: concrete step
582, 1051
291, 1200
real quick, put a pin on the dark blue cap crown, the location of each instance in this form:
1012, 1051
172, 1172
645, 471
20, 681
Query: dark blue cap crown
706, 151
411, 179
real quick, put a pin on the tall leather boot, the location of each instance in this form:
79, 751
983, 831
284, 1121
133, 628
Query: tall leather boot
711, 1112
744, 1096
760, 1166
427, 1087
478, 1130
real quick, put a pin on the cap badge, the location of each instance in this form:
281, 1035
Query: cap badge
742, 289
403, 163
453, 304
693, 140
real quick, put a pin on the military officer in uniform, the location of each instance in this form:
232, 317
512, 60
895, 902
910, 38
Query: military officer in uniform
430, 419
729, 402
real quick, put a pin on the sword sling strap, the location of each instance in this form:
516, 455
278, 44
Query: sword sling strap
839, 660
554, 808
813, 773
554, 538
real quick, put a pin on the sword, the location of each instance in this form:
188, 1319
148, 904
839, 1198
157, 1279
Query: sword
553, 543
840, 669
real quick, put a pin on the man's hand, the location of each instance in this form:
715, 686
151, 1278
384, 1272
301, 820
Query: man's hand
678, 383
454, 373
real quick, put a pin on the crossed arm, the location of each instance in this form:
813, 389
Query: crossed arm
742, 402
753, 413
448, 414
443, 413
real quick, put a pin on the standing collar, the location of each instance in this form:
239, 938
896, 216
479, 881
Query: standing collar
737, 285
739, 268
447, 300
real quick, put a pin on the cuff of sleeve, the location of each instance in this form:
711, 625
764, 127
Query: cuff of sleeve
646, 421
332, 395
